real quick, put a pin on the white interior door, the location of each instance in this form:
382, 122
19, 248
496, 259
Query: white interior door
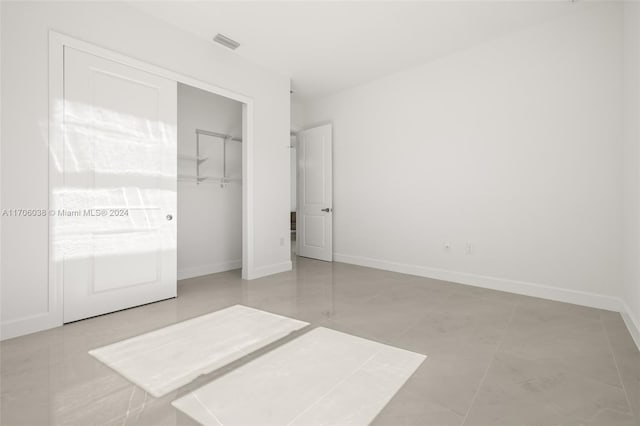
115, 225
314, 234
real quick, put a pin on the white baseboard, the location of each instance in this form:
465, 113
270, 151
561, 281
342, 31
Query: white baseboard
632, 322
27, 325
592, 300
263, 271
213, 268
44, 321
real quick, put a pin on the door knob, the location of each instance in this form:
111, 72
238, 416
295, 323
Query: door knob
169, 217
326, 210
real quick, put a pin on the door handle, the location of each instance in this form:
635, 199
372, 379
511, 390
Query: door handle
169, 217
326, 210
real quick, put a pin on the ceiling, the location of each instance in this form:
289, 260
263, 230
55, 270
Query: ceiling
325, 47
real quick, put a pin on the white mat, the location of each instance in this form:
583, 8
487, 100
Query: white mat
166, 359
321, 378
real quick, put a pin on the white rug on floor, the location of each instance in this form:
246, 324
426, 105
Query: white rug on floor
323, 377
164, 360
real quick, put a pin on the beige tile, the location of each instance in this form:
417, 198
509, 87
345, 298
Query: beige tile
411, 409
556, 362
568, 337
607, 418
460, 325
449, 381
627, 358
550, 309
525, 392
485, 293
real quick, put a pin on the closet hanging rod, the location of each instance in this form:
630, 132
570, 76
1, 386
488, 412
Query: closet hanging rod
217, 135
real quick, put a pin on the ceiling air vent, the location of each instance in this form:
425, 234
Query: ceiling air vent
226, 41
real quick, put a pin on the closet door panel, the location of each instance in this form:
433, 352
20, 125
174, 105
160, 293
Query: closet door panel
117, 233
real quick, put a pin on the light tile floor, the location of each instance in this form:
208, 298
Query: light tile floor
494, 358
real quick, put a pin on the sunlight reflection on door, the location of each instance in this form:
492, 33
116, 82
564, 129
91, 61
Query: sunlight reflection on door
114, 230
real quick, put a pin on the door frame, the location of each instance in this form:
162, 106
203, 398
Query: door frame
57, 42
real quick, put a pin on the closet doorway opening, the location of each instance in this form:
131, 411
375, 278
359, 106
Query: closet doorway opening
209, 131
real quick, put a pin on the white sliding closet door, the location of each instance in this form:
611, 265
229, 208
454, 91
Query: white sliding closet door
314, 233
116, 226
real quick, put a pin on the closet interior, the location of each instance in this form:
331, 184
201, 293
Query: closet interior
209, 183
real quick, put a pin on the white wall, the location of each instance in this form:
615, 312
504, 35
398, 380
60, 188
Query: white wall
293, 164
631, 207
119, 27
209, 216
1, 132
512, 146
297, 124
298, 118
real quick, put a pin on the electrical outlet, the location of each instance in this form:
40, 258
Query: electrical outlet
281, 242
469, 248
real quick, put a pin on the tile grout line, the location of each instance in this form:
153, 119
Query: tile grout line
126, 415
615, 363
144, 404
486, 371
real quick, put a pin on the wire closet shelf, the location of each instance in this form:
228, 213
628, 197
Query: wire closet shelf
199, 178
